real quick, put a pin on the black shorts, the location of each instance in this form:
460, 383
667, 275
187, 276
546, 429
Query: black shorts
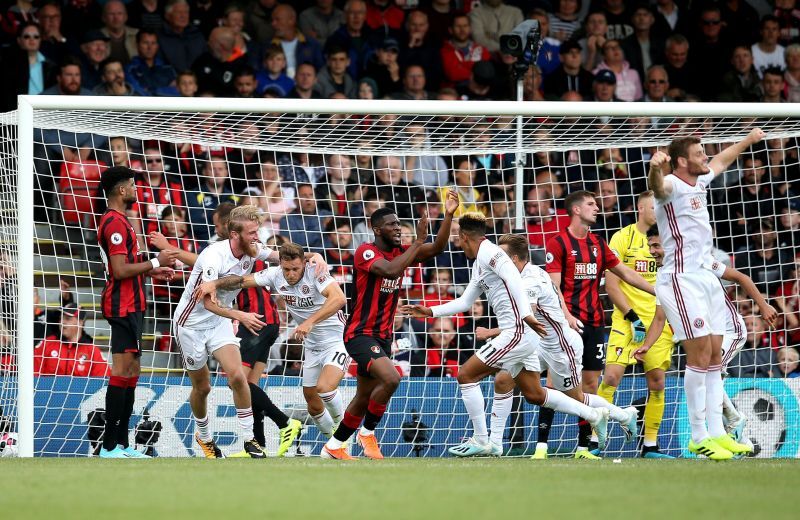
126, 333
256, 348
365, 349
594, 347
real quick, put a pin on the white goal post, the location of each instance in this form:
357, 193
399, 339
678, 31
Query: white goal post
452, 128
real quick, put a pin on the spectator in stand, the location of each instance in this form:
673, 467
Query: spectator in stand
407, 356
244, 82
543, 221
94, 51
266, 193
186, 83
414, 81
259, 20
339, 250
772, 86
420, 49
741, 20
548, 59
321, 20
570, 75
362, 231
73, 352
429, 170
68, 79
670, 19
460, 52
642, 49
47, 320
113, 80
154, 191
392, 186
80, 15
468, 342
767, 52
213, 190
172, 232
440, 290
565, 21
297, 47
792, 74
233, 19
305, 225
304, 83
605, 82
741, 83
216, 68
491, 19
677, 66
147, 72
594, 39
629, 85
368, 89
454, 258
122, 39
710, 53
618, 18
788, 21
757, 358
383, 66
750, 197
762, 260
180, 41
482, 79
31, 72
656, 86
787, 363
787, 301
17, 15
332, 193
440, 15
441, 350
333, 78
54, 45
610, 219
464, 180
789, 226
146, 14
355, 36
384, 15
274, 72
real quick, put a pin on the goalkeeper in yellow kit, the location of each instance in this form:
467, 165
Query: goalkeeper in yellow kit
633, 312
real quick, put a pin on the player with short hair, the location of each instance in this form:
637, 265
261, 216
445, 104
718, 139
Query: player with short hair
315, 302
633, 312
123, 305
379, 268
576, 261
514, 349
689, 292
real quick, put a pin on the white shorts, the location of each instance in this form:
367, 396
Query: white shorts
693, 302
197, 345
735, 334
562, 357
315, 360
512, 352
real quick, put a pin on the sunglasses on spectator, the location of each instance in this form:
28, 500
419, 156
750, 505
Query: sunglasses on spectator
153, 160
658, 81
30, 36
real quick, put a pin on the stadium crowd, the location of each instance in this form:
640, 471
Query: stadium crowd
611, 50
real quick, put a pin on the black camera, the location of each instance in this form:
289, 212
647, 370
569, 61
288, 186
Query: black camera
147, 433
523, 43
415, 432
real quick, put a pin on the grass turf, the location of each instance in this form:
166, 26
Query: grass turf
404, 488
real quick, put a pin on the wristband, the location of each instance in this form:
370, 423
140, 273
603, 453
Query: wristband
155, 262
631, 316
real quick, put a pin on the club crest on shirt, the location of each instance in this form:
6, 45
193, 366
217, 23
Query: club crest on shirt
322, 279
495, 258
594, 252
698, 323
375, 348
696, 203
246, 265
305, 289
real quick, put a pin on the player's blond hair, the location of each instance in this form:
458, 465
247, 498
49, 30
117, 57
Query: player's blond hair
241, 214
473, 223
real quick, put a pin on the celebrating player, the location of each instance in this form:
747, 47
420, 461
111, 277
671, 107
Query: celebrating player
576, 261
690, 293
633, 313
379, 267
514, 349
124, 304
315, 302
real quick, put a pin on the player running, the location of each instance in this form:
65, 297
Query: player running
514, 349
690, 293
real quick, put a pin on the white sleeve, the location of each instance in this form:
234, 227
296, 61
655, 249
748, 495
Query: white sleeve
460, 304
322, 281
210, 262
533, 289
264, 252
705, 180
265, 278
510, 275
715, 266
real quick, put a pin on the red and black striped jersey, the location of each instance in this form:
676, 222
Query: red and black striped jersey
375, 298
581, 262
115, 236
258, 299
151, 200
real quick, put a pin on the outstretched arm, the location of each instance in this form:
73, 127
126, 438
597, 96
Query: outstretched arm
160, 241
227, 283
460, 304
395, 267
633, 278
723, 159
428, 251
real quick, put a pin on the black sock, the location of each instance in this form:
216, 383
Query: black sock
258, 428
584, 433
545, 422
115, 404
348, 426
261, 400
125, 418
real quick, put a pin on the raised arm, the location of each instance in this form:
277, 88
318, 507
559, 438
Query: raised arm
160, 241
723, 159
633, 278
394, 268
428, 251
334, 301
655, 177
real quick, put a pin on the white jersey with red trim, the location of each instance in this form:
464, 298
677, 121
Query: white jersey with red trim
684, 225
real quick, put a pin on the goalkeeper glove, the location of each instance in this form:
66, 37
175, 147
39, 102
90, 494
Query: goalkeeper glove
637, 327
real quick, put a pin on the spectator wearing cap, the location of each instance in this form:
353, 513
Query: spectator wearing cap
772, 86
676, 54
122, 39
72, 352
355, 36
792, 74
604, 85
413, 84
767, 52
180, 41
216, 68
147, 72
94, 51
274, 72
305, 83
31, 72
629, 85
333, 77
384, 66
741, 83
419, 48
460, 52
113, 80
321, 20
570, 75
491, 19
298, 47
481, 81
642, 49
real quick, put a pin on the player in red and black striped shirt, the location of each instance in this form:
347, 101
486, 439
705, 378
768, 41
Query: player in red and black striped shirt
576, 261
123, 305
379, 267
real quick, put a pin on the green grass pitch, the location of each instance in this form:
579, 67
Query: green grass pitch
310, 488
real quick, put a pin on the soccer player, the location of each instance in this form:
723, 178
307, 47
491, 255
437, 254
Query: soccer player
690, 293
514, 349
576, 261
124, 304
379, 268
633, 313
204, 325
315, 302
560, 350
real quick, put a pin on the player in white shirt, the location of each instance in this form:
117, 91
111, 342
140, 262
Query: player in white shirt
560, 351
493, 273
314, 302
689, 293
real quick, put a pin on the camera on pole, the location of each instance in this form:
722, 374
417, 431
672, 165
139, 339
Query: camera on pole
523, 43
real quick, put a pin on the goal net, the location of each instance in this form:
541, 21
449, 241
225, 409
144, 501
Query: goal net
317, 170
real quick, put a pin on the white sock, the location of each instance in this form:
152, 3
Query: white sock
714, 397
728, 410
334, 404
694, 386
245, 416
472, 395
595, 401
649, 443
324, 422
364, 432
501, 408
201, 425
561, 402
334, 443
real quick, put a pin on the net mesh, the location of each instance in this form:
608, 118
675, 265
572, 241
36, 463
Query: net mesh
317, 178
